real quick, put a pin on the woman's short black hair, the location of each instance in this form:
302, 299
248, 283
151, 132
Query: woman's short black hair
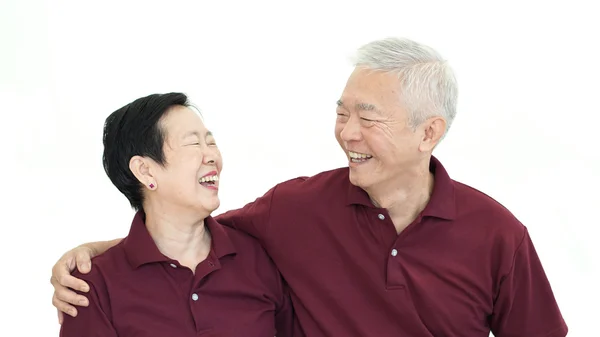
134, 130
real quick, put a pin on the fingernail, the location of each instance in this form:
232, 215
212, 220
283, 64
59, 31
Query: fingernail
88, 265
84, 267
85, 288
83, 302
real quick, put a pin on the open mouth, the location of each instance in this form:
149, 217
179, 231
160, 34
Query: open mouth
209, 181
356, 157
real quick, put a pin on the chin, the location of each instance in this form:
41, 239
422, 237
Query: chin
208, 204
356, 179
212, 205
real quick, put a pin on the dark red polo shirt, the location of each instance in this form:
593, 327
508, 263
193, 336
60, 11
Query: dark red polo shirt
464, 267
137, 291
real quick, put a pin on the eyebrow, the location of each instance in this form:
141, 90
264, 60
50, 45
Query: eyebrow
360, 106
196, 133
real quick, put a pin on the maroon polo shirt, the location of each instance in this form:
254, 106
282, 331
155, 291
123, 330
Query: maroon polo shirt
137, 291
464, 267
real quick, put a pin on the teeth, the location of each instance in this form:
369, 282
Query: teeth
357, 155
207, 179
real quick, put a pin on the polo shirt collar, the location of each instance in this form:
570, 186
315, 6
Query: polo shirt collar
221, 243
441, 204
141, 249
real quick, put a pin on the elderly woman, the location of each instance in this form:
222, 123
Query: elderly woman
178, 272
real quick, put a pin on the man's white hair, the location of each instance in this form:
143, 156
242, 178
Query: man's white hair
427, 84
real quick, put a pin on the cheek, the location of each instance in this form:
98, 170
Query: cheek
377, 140
219, 161
382, 150
188, 168
388, 151
338, 130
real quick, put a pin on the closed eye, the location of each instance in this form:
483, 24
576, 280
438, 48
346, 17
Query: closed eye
209, 144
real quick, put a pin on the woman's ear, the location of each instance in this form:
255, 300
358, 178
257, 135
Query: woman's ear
141, 169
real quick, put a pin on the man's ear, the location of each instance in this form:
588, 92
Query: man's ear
141, 169
433, 131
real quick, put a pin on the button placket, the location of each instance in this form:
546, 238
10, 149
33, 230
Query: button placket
394, 278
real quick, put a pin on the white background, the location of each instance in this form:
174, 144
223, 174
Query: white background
266, 77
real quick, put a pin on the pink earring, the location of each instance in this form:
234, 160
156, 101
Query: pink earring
151, 185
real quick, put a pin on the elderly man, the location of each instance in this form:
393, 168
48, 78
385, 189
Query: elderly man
390, 245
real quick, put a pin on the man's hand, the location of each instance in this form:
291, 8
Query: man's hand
62, 280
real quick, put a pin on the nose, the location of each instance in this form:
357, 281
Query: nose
351, 130
210, 155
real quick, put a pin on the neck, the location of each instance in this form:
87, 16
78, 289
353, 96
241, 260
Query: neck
179, 235
406, 196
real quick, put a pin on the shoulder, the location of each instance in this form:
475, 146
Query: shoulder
105, 269
308, 187
486, 216
245, 245
251, 256
103, 266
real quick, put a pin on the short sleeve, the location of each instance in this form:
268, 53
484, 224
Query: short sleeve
525, 305
91, 321
252, 219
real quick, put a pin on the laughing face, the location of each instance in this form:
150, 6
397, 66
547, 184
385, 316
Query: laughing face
190, 177
372, 128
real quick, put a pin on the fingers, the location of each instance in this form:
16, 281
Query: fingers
84, 260
61, 274
69, 297
64, 299
63, 296
70, 281
63, 307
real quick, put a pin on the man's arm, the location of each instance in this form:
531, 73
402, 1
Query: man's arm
525, 306
253, 219
93, 320
100, 247
64, 297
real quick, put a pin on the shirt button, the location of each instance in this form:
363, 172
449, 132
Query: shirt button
173, 265
394, 252
195, 297
381, 216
